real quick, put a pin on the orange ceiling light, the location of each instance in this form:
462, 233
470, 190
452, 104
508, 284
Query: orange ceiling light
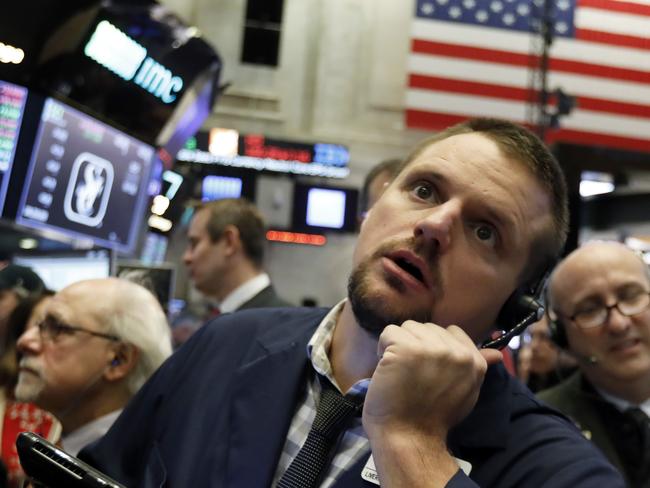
296, 238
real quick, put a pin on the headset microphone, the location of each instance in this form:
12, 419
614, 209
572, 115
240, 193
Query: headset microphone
534, 312
583, 358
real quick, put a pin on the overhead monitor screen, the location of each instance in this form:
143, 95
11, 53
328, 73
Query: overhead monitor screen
85, 179
322, 209
214, 187
12, 107
325, 208
60, 269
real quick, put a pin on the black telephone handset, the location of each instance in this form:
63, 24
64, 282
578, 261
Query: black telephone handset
519, 311
522, 308
51, 467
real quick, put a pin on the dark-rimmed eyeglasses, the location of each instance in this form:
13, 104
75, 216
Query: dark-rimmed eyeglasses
51, 330
597, 316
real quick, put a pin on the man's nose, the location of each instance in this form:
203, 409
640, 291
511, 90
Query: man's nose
617, 323
437, 226
187, 257
29, 340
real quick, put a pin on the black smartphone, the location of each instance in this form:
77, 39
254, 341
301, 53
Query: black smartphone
50, 466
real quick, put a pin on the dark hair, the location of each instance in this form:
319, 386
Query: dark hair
16, 323
390, 166
521, 144
242, 214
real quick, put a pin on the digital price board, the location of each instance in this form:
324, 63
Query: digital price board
86, 179
12, 107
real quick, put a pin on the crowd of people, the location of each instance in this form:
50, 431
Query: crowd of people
392, 384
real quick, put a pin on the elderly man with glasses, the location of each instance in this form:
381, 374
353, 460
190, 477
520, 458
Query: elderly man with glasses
599, 308
96, 343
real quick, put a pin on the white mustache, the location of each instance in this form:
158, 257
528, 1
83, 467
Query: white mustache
27, 364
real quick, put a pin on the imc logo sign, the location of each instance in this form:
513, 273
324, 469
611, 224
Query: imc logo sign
117, 52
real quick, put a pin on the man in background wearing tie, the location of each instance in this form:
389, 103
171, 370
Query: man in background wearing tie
599, 304
225, 255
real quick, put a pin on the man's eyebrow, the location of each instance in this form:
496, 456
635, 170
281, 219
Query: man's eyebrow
421, 172
588, 300
55, 315
500, 219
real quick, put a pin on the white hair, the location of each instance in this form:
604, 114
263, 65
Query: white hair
136, 317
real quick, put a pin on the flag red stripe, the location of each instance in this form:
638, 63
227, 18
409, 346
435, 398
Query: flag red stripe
418, 119
516, 59
600, 71
471, 52
613, 39
469, 87
522, 94
595, 139
615, 6
609, 106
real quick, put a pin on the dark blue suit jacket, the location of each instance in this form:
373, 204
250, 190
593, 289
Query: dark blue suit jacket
217, 412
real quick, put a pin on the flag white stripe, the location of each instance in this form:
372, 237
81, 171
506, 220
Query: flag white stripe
497, 74
470, 35
601, 54
459, 104
583, 120
614, 22
520, 43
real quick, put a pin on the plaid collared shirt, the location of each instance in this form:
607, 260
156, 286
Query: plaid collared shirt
354, 444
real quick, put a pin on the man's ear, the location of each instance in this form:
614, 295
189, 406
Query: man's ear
231, 239
125, 358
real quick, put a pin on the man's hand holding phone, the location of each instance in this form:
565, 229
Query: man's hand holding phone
427, 380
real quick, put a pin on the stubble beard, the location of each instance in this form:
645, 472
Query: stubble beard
371, 309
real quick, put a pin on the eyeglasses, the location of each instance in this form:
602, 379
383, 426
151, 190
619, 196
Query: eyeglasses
51, 330
597, 316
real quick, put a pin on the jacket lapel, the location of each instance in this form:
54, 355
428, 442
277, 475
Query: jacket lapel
263, 403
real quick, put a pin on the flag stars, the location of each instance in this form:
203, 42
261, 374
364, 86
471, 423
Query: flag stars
563, 5
510, 15
427, 8
509, 19
523, 9
496, 7
455, 12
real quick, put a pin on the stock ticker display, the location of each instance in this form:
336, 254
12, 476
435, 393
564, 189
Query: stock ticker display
86, 179
12, 106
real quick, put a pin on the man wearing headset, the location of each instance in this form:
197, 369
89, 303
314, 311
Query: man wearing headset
95, 344
473, 218
599, 305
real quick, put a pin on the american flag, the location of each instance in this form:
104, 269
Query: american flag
473, 58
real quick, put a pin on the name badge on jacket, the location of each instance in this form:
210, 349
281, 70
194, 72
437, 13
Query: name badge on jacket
369, 472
